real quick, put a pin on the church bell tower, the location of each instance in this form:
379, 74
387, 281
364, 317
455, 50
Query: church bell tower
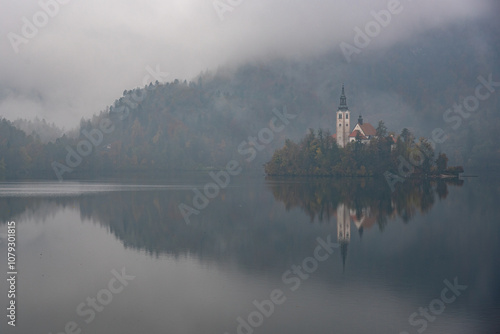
343, 117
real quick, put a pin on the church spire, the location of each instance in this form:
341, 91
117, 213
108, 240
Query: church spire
343, 100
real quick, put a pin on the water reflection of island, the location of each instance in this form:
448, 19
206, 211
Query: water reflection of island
363, 202
241, 226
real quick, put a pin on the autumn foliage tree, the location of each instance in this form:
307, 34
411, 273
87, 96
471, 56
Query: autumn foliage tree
317, 154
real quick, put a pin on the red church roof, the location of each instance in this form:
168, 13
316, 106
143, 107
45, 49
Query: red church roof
355, 133
368, 129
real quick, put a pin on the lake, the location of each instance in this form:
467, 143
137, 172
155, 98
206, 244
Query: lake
262, 256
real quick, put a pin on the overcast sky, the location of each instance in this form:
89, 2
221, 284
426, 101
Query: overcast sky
83, 58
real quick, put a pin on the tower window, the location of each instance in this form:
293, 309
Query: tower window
346, 116
340, 125
340, 116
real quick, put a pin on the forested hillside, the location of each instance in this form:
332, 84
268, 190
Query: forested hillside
171, 126
218, 116
39, 129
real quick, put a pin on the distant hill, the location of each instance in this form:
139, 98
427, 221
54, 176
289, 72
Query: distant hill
206, 122
39, 129
19, 153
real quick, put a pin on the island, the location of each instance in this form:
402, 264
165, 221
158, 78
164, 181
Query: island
362, 151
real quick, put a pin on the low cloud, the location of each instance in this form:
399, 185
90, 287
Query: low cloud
87, 54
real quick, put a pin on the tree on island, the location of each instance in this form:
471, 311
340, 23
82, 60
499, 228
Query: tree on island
317, 154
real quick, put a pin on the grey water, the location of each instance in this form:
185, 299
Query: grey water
261, 256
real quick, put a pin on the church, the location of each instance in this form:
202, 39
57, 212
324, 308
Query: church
344, 134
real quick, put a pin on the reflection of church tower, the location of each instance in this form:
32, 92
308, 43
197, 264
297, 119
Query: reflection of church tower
343, 230
343, 128
343, 223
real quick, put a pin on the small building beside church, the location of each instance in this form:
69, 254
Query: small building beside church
344, 134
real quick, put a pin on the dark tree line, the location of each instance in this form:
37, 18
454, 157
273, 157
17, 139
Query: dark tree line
318, 154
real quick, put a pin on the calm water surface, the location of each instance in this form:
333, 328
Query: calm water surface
392, 256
